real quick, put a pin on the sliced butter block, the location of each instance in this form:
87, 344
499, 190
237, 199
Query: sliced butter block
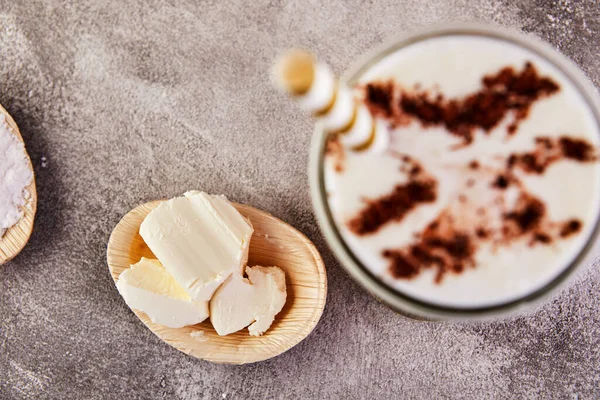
240, 302
200, 239
148, 287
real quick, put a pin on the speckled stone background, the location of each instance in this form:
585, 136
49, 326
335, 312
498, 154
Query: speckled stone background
121, 102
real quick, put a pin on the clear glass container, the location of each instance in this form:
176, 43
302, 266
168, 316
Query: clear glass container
393, 298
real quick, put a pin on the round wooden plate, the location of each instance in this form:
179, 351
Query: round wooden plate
16, 237
273, 243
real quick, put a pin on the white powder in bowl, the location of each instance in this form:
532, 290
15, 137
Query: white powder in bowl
15, 175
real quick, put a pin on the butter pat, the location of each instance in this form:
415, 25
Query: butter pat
200, 239
240, 302
148, 287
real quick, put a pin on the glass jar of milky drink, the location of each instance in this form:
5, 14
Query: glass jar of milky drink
487, 195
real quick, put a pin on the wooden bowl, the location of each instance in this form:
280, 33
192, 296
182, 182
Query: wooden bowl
273, 243
16, 237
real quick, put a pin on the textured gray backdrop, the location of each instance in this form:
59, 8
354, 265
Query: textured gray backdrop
121, 102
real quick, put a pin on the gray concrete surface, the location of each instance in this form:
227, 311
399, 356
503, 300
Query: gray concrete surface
130, 101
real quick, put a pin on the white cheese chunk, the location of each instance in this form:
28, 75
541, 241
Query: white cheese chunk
240, 302
148, 287
200, 239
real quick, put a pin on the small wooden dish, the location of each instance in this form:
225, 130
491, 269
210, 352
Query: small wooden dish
273, 243
16, 237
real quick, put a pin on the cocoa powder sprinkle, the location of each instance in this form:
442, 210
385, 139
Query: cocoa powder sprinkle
402, 266
577, 149
481, 233
570, 227
501, 182
504, 92
446, 251
550, 150
529, 216
392, 207
542, 238
379, 98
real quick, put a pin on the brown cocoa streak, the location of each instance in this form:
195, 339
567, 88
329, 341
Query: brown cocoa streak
504, 92
392, 207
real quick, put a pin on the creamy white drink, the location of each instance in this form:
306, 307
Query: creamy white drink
489, 187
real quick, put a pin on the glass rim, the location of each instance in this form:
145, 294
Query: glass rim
397, 300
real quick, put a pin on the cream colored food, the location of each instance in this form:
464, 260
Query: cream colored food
201, 239
251, 302
148, 287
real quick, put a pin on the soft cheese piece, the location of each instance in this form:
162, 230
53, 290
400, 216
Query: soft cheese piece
200, 239
148, 287
240, 302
